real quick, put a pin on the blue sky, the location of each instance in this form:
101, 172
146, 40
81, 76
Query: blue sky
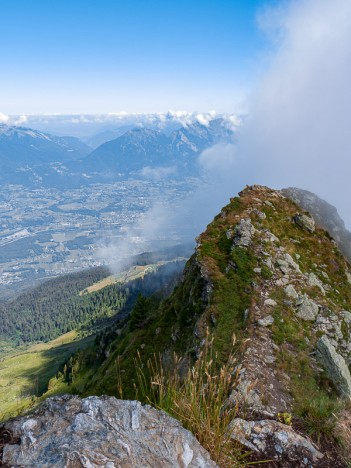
84, 56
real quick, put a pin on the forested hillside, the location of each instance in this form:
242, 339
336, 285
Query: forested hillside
56, 307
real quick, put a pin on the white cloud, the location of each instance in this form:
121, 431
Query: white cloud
136, 238
4, 118
22, 119
298, 132
157, 173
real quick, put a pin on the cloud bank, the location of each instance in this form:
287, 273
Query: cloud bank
299, 127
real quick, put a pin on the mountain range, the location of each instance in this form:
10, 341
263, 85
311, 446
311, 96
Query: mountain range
35, 158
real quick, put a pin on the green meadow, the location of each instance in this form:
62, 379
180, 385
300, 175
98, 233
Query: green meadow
25, 372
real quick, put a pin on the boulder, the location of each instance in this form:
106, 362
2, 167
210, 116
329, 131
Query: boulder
305, 222
243, 233
291, 292
276, 441
306, 308
67, 431
335, 366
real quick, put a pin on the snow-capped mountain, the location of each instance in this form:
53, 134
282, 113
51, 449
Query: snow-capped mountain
135, 149
20, 146
34, 158
144, 147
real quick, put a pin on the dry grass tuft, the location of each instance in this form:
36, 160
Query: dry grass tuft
197, 400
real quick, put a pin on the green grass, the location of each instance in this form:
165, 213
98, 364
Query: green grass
25, 373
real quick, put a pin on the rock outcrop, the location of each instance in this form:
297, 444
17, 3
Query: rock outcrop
305, 222
276, 441
325, 214
100, 432
243, 233
335, 365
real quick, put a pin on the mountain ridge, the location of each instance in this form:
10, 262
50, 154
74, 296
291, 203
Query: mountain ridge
264, 271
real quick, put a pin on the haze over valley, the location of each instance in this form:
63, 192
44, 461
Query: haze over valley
63, 202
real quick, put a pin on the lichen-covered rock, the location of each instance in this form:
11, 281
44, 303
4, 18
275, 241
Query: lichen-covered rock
305, 222
306, 308
291, 291
243, 233
101, 432
274, 440
335, 366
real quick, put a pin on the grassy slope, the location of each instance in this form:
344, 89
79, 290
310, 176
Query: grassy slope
27, 372
133, 273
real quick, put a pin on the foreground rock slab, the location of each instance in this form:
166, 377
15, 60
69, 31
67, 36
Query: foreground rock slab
67, 431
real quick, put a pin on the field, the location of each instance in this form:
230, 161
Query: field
24, 373
133, 273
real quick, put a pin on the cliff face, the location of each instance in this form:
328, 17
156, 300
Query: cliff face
325, 214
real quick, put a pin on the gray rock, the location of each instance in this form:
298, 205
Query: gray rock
283, 266
313, 280
282, 281
347, 316
270, 303
291, 292
245, 395
348, 276
268, 262
259, 214
286, 263
268, 203
325, 275
101, 432
243, 233
274, 440
306, 308
265, 322
305, 222
335, 366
